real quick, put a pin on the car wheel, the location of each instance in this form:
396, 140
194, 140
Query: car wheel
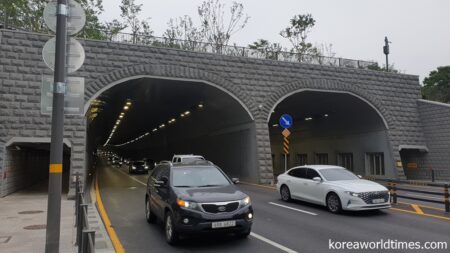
171, 234
334, 203
149, 215
285, 193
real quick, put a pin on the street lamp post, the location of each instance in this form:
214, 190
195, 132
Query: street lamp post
386, 51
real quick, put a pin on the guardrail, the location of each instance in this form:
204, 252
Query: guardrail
85, 239
393, 187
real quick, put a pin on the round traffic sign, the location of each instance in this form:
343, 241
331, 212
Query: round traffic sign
75, 20
286, 121
75, 54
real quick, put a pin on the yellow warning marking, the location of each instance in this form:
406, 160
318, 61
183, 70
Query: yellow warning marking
423, 206
425, 214
56, 168
112, 233
286, 132
417, 209
286, 145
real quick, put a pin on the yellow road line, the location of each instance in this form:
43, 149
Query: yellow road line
428, 207
112, 233
424, 214
417, 209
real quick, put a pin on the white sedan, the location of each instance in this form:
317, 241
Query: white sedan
332, 186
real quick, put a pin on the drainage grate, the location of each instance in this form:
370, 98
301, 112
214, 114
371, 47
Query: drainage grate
35, 227
31, 212
5, 239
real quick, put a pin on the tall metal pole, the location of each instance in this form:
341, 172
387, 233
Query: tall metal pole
56, 146
386, 51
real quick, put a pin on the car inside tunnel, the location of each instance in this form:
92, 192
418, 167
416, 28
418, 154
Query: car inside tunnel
152, 119
331, 128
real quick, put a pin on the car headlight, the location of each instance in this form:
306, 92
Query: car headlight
188, 204
246, 201
354, 194
133, 167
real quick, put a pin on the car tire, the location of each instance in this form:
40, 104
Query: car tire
169, 229
149, 215
285, 193
334, 203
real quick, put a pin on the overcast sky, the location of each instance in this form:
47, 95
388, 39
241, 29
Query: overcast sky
419, 29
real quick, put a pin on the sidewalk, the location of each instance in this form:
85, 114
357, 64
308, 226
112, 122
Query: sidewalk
23, 216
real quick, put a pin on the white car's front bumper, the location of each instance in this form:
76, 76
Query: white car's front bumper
357, 204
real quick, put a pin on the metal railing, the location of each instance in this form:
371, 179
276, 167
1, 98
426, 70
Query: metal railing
233, 50
396, 185
206, 47
428, 174
85, 238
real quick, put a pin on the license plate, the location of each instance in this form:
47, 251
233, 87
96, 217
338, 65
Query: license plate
376, 201
224, 224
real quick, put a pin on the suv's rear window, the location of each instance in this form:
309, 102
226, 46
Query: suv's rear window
198, 177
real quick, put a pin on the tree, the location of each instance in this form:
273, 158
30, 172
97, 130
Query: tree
437, 85
112, 28
140, 29
377, 67
267, 49
297, 33
182, 33
215, 28
23, 14
93, 27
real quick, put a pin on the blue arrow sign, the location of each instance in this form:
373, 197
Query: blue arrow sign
286, 121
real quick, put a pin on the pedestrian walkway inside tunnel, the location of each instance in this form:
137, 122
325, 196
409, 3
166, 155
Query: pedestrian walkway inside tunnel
153, 119
27, 167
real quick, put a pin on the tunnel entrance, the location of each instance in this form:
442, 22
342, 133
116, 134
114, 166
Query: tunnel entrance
332, 128
163, 117
27, 167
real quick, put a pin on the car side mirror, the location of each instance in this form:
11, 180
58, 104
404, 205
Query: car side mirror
162, 183
317, 179
235, 180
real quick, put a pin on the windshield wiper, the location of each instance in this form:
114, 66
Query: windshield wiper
211, 185
183, 186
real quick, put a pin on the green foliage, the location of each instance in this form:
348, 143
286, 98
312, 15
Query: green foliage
437, 85
297, 34
377, 67
93, 27
140, 29
268, 49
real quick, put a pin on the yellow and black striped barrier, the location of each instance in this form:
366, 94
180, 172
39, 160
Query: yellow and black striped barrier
286, 145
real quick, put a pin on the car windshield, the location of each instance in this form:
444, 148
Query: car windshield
338, 174
198, 177
139, 163
191, 159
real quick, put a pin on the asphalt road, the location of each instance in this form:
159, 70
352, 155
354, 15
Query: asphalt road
278, 226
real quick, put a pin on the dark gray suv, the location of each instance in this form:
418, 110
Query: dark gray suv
196, 198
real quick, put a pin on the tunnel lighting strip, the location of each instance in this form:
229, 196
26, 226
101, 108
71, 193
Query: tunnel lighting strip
160, 127
126, 107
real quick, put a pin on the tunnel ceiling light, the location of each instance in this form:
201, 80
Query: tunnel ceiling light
200, 105
162, 125
182, 115
325, 115
128, 103
122, 113
126, 107
120, 116
308, 118
155, 129
187, 113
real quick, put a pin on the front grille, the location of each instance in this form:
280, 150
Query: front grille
369, 196
220, 208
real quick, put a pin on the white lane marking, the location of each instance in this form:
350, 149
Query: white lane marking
295, 209
144, 184
277, 245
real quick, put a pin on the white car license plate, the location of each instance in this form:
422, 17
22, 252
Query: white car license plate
377, 201
224, 224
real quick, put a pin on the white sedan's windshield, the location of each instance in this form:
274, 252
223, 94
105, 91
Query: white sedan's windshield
338, 174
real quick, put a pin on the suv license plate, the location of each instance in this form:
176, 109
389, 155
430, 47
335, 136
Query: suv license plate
224, 224
377, 201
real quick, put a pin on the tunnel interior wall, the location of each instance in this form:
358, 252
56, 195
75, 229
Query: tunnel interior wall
26, 167
356, 144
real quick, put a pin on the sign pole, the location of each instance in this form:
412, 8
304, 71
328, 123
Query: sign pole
56, 146
286, 122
